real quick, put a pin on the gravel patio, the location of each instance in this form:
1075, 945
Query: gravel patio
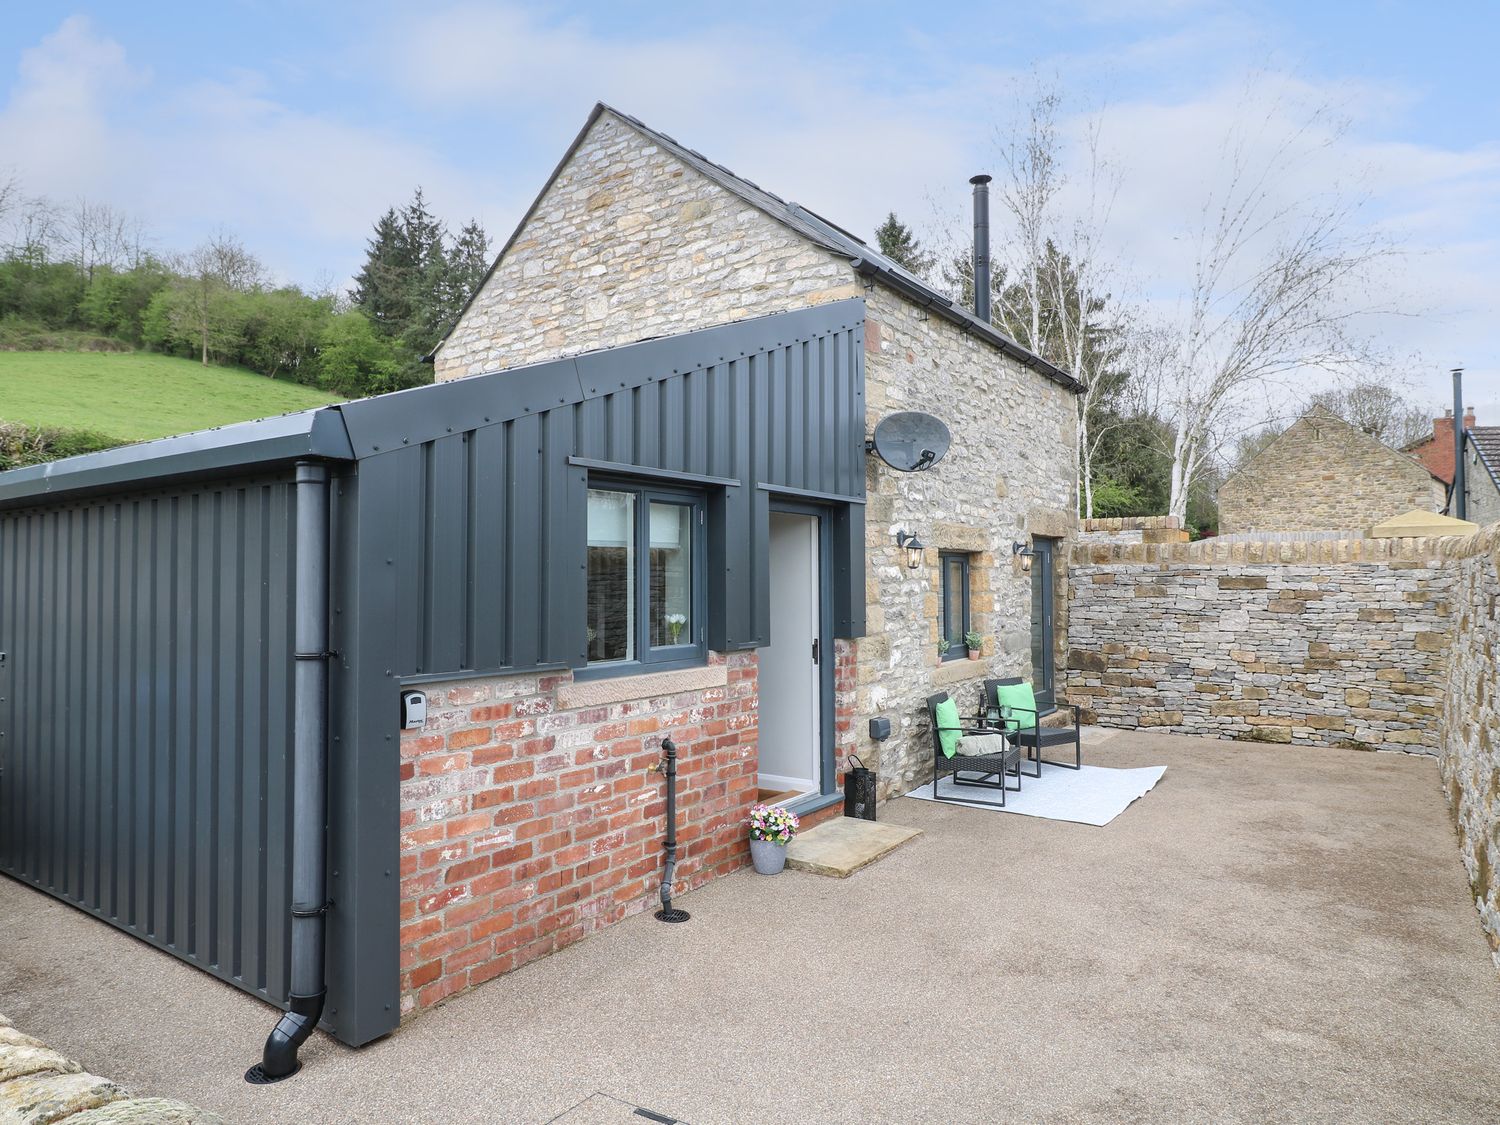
1271, 934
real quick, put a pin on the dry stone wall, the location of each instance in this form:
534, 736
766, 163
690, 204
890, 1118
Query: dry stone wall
1320, 643
1470, 727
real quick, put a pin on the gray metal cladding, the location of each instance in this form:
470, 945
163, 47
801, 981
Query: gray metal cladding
146, 687
483, 528
146, 717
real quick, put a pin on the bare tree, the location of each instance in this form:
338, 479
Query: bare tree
10, 193
1055, 296
213, 271
37, 229
99, 235
1272, 295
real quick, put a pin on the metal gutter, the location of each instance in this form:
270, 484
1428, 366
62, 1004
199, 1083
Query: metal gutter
245, 446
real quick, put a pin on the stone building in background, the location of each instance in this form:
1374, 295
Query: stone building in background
1324, 474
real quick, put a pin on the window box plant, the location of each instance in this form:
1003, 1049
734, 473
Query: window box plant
771, 830
974, 642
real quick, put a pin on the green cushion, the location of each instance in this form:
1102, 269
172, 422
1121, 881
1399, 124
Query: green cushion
1019, 698
948, 723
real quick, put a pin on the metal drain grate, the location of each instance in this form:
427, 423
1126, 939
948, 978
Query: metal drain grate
675, 914
256, 1076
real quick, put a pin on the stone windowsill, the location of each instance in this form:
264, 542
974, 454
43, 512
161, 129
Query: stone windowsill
647, 685
958, 671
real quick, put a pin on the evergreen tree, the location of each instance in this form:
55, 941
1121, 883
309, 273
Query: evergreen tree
468, 264
900, 245
382, 289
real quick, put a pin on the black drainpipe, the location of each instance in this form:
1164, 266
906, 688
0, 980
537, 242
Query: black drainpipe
309, 783
668, 766
1460, 503
981, 247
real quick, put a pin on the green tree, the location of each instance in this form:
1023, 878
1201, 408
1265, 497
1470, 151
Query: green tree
355, 359
116, 300
283, 330
900, 245
382, 288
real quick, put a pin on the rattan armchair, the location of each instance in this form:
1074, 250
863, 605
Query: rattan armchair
995, 765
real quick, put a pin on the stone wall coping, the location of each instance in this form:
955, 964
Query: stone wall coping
1325, 551
647, 685
1133, 523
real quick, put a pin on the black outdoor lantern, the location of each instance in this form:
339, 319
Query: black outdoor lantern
913, 547
1025, 554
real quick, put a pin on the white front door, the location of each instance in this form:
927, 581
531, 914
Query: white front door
791, 719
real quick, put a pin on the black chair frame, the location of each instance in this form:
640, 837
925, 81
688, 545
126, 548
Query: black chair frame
1032, 737
988, 766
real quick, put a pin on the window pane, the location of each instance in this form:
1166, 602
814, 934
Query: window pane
954, 598
611, 601
671, 612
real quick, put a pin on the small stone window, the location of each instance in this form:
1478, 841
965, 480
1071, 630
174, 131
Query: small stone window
953, 609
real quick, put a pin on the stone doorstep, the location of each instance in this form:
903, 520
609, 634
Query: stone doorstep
842, 846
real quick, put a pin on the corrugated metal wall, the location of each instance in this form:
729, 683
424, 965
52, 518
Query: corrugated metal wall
146, 714
480, 534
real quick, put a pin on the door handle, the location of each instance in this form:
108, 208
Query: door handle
817, 656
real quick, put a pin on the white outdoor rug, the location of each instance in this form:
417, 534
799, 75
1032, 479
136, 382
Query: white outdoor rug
1091, 795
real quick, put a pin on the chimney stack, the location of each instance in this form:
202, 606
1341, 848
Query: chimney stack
981, 247
1460, 501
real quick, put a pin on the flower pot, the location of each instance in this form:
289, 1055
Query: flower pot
768, 856
975, 653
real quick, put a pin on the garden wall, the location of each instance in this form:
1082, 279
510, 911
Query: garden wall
1323, 643
1470, 725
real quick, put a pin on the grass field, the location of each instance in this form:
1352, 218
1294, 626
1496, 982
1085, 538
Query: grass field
138, 395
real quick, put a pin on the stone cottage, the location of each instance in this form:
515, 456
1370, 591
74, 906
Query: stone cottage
1481, 464
1324, 474
443, 636
637, 236
1481, 475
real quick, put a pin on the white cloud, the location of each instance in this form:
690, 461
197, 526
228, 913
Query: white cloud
495, 91
300, 188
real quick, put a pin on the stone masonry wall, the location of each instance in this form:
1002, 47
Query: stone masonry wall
1318, 643
530, 819
1324, 473
1470, 728
1008, 476
626, 244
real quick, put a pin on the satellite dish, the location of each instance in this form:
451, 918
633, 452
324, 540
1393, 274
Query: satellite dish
910, 441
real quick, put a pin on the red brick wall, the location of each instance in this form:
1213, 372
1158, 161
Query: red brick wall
526, 826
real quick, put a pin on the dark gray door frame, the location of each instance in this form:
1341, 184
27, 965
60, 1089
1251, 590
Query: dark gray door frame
1044, 578
827, 781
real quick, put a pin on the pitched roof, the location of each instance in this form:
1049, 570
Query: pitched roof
867, 261
1317, 414
1486, 443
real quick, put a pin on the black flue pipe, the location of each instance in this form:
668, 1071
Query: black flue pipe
668, 767
1460, 489
309, 783
981, 247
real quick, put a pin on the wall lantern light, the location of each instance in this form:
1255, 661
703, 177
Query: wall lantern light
1024, 553
913, 547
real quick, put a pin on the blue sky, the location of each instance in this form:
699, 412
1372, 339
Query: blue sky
294, 124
